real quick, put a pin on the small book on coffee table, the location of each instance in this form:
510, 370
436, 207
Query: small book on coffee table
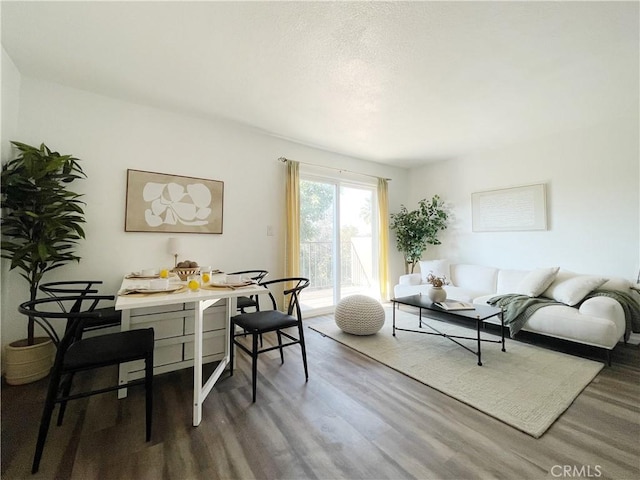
454, 305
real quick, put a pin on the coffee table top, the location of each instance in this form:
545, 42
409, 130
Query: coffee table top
480, 312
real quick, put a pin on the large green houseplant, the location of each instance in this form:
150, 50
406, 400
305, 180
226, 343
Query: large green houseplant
41, 219
418, 228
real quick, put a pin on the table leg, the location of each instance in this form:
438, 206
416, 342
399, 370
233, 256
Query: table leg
197, 364
200, 391
502, 328
394, 318
123, 368
478, 322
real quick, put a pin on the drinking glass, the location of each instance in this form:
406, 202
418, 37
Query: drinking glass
194, 282
205, 273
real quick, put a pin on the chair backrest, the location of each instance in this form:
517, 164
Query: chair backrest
292, 292
80, 288
75, 309
257, 275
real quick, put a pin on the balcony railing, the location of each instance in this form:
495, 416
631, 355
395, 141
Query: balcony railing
316, 264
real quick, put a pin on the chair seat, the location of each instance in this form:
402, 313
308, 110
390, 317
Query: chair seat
267, 321
109, 349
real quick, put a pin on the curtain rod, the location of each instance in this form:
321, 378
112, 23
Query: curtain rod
285, 160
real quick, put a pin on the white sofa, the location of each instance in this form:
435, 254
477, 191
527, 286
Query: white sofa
598, 321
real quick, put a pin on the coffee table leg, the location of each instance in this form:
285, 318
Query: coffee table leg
502, 328
394, 318
479, 353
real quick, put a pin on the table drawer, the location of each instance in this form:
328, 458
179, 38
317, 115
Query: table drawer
212, 321
161, 356
210, 346
219, 305
164, 326
178, 307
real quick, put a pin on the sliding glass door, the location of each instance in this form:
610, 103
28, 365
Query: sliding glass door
337, 245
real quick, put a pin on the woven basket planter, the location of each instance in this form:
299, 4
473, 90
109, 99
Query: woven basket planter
28, 363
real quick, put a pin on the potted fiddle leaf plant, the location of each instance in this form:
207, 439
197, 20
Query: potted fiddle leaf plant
41, 226
418, 228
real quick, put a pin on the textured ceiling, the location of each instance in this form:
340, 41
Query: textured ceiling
393, 82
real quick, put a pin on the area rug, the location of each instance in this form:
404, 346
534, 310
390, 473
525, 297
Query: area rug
527, 387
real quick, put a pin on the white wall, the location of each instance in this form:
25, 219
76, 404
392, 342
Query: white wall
9, 103
110, 136
592, 178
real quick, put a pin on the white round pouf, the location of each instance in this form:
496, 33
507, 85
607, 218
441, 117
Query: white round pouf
359, 315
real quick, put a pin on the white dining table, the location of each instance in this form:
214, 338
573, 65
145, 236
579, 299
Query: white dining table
202, 299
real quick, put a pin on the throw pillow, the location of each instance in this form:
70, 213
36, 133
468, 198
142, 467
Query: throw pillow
572, 290
537, 281
440, 268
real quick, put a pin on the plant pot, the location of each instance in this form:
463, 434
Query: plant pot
437, 294
28, 363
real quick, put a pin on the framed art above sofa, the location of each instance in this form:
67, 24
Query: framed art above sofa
510, 209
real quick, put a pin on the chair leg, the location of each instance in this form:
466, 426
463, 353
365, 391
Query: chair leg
254, 365
281, 349
148, 387
47, 412
304, 351
65, 393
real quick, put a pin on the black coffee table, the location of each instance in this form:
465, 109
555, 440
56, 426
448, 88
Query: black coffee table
480, 313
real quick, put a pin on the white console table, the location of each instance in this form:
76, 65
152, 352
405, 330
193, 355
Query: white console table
191, 328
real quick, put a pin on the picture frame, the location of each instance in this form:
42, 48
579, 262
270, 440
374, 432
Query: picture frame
512, 209
168, 203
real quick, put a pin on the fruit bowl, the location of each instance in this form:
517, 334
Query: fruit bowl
184, 272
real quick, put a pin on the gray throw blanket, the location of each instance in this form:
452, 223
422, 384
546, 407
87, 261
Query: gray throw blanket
518, 309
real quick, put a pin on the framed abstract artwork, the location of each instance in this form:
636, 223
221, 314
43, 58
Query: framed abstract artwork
160, 202
510, 209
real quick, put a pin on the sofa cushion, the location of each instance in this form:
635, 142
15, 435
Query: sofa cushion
410, 279
400, 291
464, 294
440, 268
483, 299
476, 278
537, 281
568, 323
508, 280
617, 283
570, 288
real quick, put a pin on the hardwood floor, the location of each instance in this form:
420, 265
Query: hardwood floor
355, 418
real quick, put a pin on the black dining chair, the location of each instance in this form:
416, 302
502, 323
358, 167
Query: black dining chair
75, 354
109, 316
251, 301
265, 321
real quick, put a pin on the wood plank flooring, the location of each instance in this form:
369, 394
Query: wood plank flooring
354, 419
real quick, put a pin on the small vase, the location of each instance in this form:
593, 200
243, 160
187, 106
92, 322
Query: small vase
437, 294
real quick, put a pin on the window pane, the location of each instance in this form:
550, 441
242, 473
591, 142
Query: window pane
317, 220
356, 241
338, 251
